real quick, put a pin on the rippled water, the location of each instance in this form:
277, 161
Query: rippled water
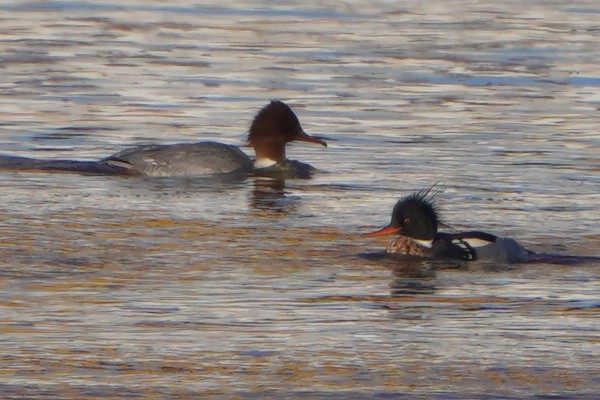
127, 287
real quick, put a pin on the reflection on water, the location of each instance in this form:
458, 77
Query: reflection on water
269, 195
254, 288
412, 278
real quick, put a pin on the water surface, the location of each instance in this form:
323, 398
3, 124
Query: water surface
129, 287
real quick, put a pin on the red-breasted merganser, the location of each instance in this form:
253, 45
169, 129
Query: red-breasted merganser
273, 127
416, 218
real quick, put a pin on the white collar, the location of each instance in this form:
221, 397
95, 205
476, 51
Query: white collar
264, 162
425, 243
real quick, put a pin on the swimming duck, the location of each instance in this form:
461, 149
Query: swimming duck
272, 129
416, 219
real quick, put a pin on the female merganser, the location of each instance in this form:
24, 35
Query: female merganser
273, 127
416, 218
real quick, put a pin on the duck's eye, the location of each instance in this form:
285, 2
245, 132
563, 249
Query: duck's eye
406, 221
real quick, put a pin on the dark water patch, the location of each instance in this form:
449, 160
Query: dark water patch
582, 10
42, 44
583, 81
30, 58
203, 11
70, 133
528, 81
182, 63
100, 99
562, 259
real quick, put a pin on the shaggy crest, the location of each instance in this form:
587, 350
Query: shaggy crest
275, 117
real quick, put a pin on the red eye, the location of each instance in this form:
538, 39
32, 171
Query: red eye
406, 220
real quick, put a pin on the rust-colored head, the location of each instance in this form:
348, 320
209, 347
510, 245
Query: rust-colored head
273, 127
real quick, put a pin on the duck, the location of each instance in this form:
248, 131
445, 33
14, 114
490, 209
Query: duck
416, 218
272, 129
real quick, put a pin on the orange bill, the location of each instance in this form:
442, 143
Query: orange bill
305, 137
388, 230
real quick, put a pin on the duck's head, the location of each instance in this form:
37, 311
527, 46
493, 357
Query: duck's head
415, 216
273, 127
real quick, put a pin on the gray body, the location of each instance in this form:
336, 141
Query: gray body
180, 160
503, 250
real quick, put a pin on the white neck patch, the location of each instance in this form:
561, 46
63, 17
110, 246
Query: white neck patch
476, 242
425, 243
264, 162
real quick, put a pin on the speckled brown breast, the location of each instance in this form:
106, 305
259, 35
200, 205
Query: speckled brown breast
407, 246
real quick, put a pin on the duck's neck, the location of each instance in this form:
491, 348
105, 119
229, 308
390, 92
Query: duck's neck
268, 154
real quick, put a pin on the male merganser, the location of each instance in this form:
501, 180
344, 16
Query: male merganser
416, 218
273, 127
